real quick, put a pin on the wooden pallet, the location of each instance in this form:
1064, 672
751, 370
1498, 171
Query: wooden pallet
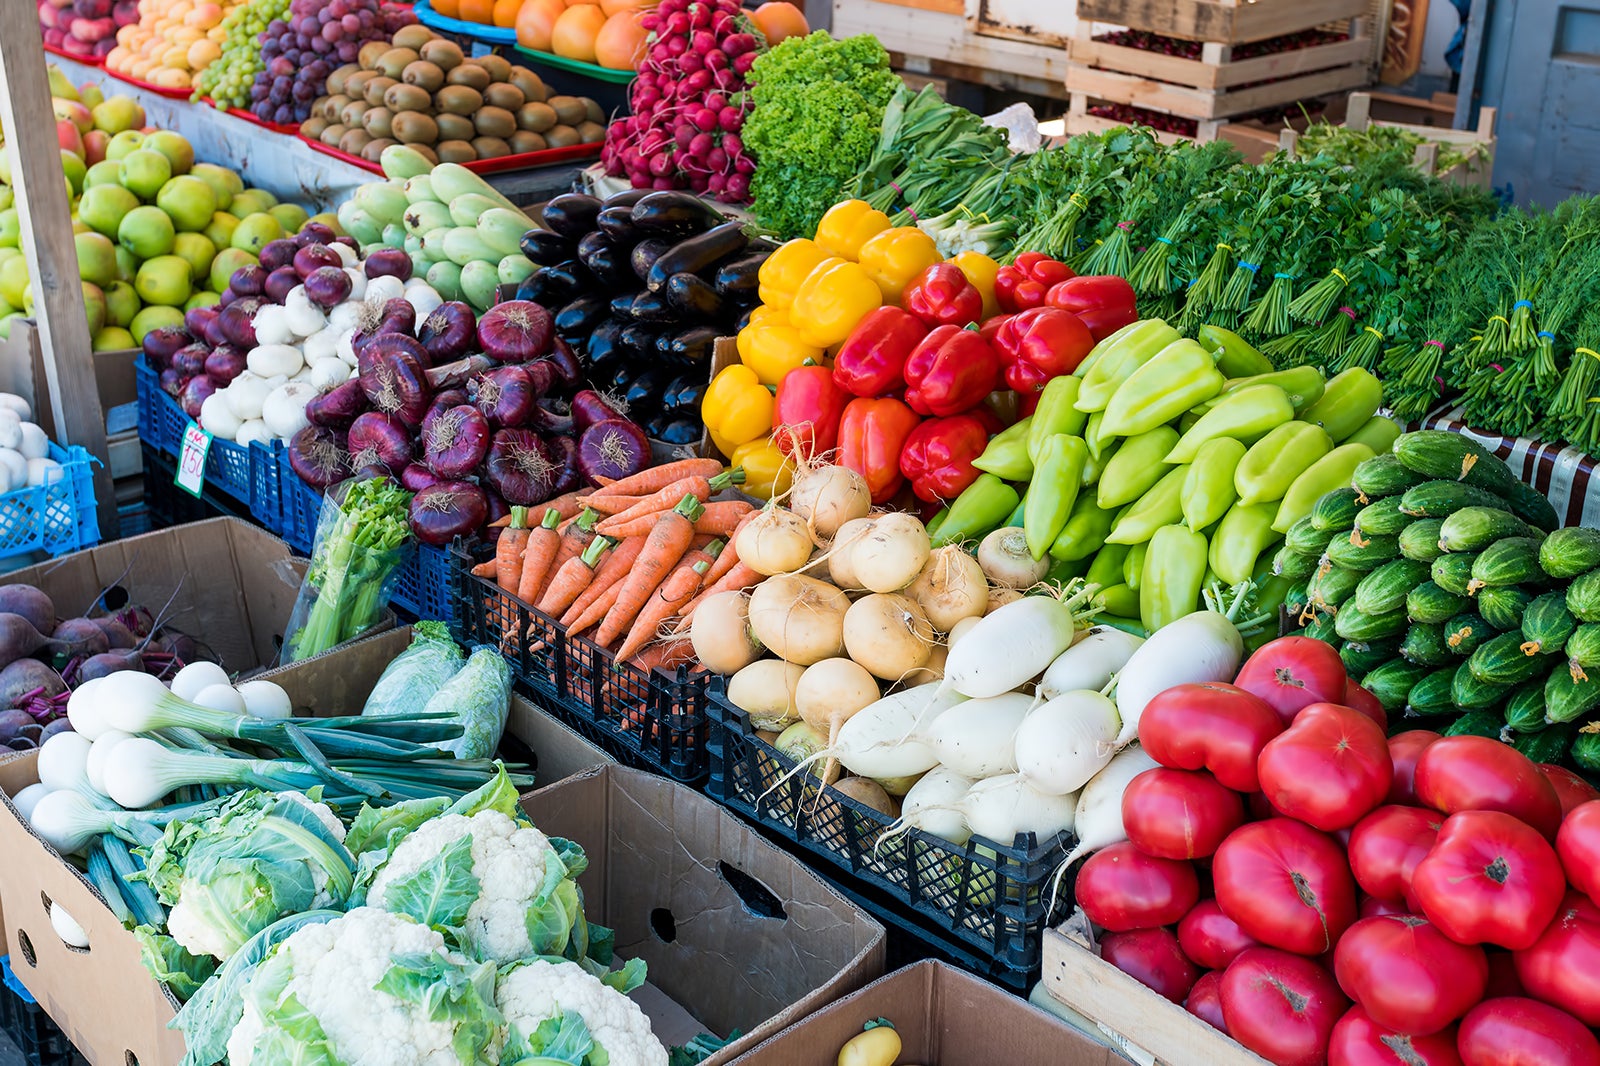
1216, 68
1203, 104
1226, 21
1254, 140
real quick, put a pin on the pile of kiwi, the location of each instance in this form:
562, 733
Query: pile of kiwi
419, 89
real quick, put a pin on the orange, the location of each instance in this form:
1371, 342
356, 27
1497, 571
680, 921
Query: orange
574, 33
448, 8
536, 20
620, 42
778, 19
479, 11
505, 12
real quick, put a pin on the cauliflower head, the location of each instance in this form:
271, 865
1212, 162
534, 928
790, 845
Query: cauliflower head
559, 1012
368, 988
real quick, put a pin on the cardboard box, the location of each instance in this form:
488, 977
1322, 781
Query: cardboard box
102, 997
945, 1017
736, 934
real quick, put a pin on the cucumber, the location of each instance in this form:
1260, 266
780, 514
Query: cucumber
1439, 453
1453, 573
1586, 749
1431, 695
1383, 516
1501, 661
1363, 656
1503, 607
1545, 746
1566, 699
1465, 632
1321, 628
1293, 565
1569, 552
1471, 694
1295, 602
1387, 588
1356, 551
1424, 643
1583, 647
1476, 723
1546, 623
1428, 603
1306, 538
1530, 505
1439, 499
1384, 475
1331, 585
1336, 510
1583, 597
1525, 708
1392, 682
1352, 623
1514, 561
1475, 528
1420, 540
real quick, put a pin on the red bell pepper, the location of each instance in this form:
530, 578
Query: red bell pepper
806, 412
872, 434
942, 296
1025, 282
1039, 344
1105, 302
939, 453
872, 360
952, 370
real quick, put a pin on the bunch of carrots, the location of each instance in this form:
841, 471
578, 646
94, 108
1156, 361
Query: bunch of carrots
627, 557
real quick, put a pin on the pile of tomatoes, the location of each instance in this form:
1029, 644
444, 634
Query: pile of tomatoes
1326, 894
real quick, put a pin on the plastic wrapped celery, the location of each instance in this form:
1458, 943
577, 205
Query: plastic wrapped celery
479, 697
362, 537
409, 682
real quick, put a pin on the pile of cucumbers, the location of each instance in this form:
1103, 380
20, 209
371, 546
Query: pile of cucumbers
1452, 592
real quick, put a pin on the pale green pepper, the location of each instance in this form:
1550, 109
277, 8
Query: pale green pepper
1236, 357
1174, 569
1378, 433
1246, 415
980, 508
1133, 565
1181, 375
1053, 491
1106, 569
1136, 466
1331, 471
1245, 532
1208, 487
1350, 399
1125, 352
1097, 441
1055, 414
1103, 346
1161, 506
1304, 384
1006, 455
1117, 600
1273, 462
1085, 532
1095, 468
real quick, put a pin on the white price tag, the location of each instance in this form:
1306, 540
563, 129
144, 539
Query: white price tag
191, 475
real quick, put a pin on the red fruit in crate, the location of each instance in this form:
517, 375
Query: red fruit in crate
125, 12
1292, 673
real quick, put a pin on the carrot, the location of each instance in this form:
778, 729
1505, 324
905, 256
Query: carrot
566, 503
573, 577
616, 565
730, 554
542, 544
508, 552
723, 518
666, 544
610, 505
678, 589
700, 488
576, 535
647, 481
485, 569
597, 610
738, 578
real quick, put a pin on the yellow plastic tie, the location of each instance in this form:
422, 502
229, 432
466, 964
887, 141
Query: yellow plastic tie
1077, 198
1336, 272
1587, 351
1374, 332
1500, 318
1225, 247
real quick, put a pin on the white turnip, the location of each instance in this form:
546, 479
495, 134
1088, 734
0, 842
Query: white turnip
721, 635
888, 634
776, 541
799, 618
892, 553
765, 691
951, 587
1004, 557
828, 496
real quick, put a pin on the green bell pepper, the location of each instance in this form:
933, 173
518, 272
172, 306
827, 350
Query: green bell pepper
1304, 384
1098, 442
1333, 471
1208, 487
1064, 570
1085, 532
1055, 414
982, 507
1053, 491
1104, 345
1106, 568
1007, 453
1273, 462
1349, 400
1174, 569
1161, 506
1136, 466
1124, 353
1246, 415
1236, 357
1181, 375
1245, 532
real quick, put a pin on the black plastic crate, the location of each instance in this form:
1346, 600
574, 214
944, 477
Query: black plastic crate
26, 1024
168, 505
990, 898
653, 720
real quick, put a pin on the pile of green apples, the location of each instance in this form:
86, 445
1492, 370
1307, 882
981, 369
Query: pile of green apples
156, 233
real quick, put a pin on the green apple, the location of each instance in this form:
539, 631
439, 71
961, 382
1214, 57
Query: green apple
118, 114
103, 207
197, 249
80, 226
124, 143
174, 147
97, 258
91, 95
113, 339
127, 265
203, 298
5, 324
153, 317
255, 230
9, 253
94, 305
146, 232
122, 303
144, 172
221, 229
225, 183
7, 197
250, 202
290, 216
105, 172
75, 169
163, 280
10, 228
27, 299
189, 201
226, 262
14, 281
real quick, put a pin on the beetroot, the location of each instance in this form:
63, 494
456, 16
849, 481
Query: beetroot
195, 392
456, 442
449, 331
111, 662
31, 603
118, 635
328, 286
379, 440
614, 448
313, 257
520, 467
339, 406
19, 637
507, 395
515, 332
449, 509
389, 262
318, 456
29, 675
80, 636
279, 284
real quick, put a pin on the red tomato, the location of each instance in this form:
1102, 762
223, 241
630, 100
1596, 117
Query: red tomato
1481, 774
1563, 966
1578, 844
1212, 727
1359, 699
1121, 888
1373, 907
1503, 979
1281, 1006
1292, 673
1151, 957
1572, 790
1359, 1041
1286, 885
1515, 1031
1489, 879
1205, 1000
1327, 769
1407, 975
1179, 814
1386, 846
1404, 748
1211, 938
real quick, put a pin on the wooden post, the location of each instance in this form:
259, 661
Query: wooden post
43, 208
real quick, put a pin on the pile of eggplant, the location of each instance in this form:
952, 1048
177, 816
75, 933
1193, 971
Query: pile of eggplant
641, 285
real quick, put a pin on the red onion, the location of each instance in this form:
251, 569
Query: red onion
279, 283
315, 233
328, 286
195, 392
171, 382
191, 360
417, 477
564, 451
564, 361
498, 507
456, 442
442, 401
449, 509
589, 407
515, 332
507, 395
379, 440
248, 280
237, 322
339, 406
160, 345
393, 317
394, 382
194, 320
214, 335
228, 296
224, 364
389, 262
449, 331
318, 456
313, 257
615, 448
520, 467
278, 253
454, 375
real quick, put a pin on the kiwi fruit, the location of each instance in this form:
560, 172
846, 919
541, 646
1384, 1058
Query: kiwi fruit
490, 147
494, 122
591, 132
562, 136
330, 134
351, 114
413, 36
312, 127
454, 127
532, 86
370, 53
337, 78
458, 99
403, 97
469, 73
446, 55
330, 106
413, 127
455, 151
426, 151
424, 75
394, 62
373, 152
535, 117
524, 141
591, 111
504, 95
373, 93
569, 109
499, 67
354, 141
355, 86
377, 121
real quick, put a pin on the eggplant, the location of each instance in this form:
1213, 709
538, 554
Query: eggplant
572, 214
505, 292
638, 341
738, 277
743, 320
683, 393
692, 296
693, 344
626, 198
643, 392
607, 262
697, 253
545, 288
546, 248
653, 307
604, 341
579, 318
570, 279
617, 381
617, 223
675, 212
674, 429
645, 254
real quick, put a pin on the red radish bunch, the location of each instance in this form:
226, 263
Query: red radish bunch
688, 103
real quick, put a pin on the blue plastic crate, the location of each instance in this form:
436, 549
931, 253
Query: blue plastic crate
299, 506
56, 518
266, 484
147, 385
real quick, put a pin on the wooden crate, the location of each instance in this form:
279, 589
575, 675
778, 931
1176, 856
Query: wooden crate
1256, 141
1189, 101
1216, 69
1225, 21
1471, 173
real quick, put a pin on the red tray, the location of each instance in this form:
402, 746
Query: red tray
522, 161
290, 128
88, 61
171, 94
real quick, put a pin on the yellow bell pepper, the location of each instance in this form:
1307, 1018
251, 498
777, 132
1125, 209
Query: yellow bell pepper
981, 271
737, 408
895, 257
767, 471
836, 296
849, 225
773, 348
763, 315
780, 276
